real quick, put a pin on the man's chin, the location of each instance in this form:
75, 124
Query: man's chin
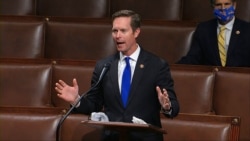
120, 47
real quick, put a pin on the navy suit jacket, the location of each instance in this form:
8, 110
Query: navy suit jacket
143, 102
204, 47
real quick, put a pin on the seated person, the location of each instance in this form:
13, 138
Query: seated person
212, 46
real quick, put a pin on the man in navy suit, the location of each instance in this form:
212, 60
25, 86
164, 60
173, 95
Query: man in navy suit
204, 49
151, 90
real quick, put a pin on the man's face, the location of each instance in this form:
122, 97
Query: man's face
223, 4
124, 36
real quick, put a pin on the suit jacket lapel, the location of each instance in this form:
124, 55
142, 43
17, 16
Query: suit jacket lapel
114, 78
138, 74
234, 37
214, 42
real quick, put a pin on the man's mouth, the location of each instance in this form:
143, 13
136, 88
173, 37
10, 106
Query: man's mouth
119, 43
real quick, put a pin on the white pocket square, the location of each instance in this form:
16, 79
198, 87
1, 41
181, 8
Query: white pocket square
99, 116
138, 121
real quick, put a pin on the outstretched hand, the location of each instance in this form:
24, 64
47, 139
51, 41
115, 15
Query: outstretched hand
163, 98
66, 92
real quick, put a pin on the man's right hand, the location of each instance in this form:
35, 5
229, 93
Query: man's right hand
66, 92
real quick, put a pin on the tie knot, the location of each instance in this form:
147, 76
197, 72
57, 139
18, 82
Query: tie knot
222, 28
127, 60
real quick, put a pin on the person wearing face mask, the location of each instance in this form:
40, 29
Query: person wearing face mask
223, 41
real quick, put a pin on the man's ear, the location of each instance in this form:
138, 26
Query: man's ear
234, 4
137, 32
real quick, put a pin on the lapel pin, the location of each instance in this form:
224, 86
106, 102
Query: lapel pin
237, 32
141, 66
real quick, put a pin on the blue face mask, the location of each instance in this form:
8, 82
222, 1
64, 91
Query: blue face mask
224, 15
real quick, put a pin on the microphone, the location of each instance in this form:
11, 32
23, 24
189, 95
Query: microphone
103, 72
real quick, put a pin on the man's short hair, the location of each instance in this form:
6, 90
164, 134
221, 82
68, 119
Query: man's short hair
135, 18
212, 2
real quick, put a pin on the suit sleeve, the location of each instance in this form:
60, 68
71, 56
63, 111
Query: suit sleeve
94, 100
165, 80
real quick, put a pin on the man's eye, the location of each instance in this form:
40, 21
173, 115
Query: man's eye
123, 30
228, 3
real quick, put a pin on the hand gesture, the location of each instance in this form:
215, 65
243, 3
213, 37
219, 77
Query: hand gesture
163, 98
66, 92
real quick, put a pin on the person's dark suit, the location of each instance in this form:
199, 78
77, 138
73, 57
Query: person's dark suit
204, 47
143, 102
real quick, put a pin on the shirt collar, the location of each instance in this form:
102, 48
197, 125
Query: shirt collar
229, 25
134, 56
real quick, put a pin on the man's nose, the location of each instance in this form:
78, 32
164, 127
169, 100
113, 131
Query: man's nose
223, 6
118, 34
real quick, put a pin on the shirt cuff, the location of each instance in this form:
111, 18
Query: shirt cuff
168, 112
75, 102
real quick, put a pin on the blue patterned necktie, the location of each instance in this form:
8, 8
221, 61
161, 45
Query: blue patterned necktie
126, 78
